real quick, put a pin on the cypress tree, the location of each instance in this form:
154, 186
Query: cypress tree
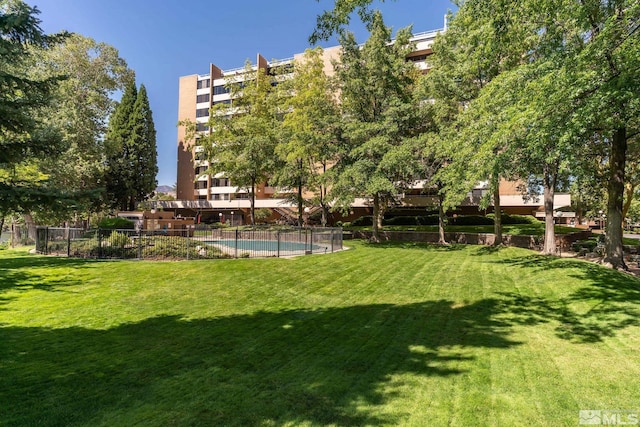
142, 146
132, 163
119, 176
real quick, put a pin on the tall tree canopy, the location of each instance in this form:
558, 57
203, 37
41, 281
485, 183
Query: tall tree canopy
131, 143
243, 138
83, 103
24, 135
380, 112
310, 131
335, 20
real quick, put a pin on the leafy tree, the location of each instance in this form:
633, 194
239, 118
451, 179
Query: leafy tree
131, 139
311, 130
577, 86
243, 138
606, 96
334, 21
377, 89
83, 103
24, 135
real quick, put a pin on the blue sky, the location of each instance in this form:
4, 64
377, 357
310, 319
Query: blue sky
165, 39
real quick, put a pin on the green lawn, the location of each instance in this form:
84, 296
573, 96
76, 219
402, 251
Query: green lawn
378, 335
535, 229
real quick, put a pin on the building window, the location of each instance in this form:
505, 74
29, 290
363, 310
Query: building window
202, 98
220, 182
226, 101
201, 127
242, 196
201, 169
200, 185
417, 58
203, 84
202, 112
220, 90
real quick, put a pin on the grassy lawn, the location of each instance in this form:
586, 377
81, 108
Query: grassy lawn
378, 335
535, 229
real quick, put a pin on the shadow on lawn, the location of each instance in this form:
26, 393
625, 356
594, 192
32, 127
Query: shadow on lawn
329, 366
16, 273
431, 247
609, 303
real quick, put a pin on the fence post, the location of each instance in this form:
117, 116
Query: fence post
46, 241
188, 241
68, 242
332, 241
236, 244
139, 244
99, 242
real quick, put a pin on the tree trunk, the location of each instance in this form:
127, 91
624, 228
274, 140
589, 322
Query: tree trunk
323, 193
497, 212
549, 185
614, 255
31, 226
252, 201
16, 232
630, 189
441, 215
300, 205
377, 222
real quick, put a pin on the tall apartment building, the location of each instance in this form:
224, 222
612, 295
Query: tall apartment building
214, 197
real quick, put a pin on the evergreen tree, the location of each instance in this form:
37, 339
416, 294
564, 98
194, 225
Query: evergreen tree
142, 146
118, 177
131, 140
24, 136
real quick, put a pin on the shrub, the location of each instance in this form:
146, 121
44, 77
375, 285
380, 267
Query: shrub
84, 248
175, 247
119, 240
402, 220
366, 220
515, 219
412, 220
471, 220
116, 223
261, 215
590, 245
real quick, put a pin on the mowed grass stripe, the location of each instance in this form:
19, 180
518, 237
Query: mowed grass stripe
392, 334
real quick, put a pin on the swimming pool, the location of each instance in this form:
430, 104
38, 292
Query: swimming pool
265, 245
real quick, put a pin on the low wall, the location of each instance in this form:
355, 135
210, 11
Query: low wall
529, 242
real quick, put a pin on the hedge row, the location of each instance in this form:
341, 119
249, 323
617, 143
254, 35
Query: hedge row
367, 220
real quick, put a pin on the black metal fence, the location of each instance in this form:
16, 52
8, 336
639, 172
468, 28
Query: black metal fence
187, 244
16, 235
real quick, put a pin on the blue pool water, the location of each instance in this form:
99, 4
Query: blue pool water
264, 245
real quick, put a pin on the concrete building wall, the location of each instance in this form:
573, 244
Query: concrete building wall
186, 111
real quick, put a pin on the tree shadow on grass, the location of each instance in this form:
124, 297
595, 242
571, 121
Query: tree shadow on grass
16, 273
610, 302
431, 247
329, 366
